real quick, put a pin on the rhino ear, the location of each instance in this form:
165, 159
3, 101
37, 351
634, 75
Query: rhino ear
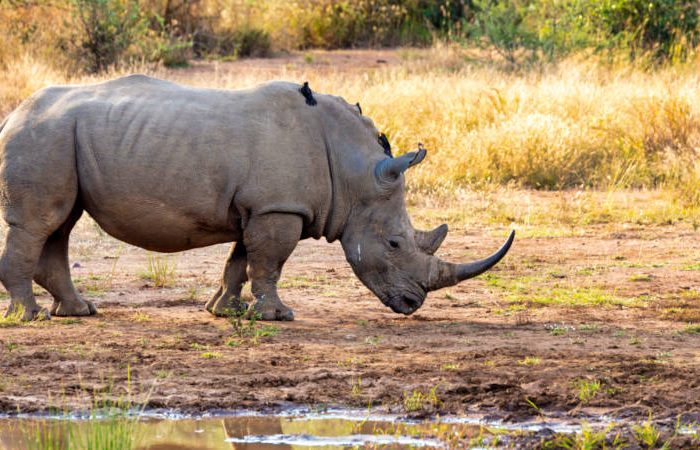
390, 169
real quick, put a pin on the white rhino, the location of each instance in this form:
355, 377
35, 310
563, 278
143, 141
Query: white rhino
170, 168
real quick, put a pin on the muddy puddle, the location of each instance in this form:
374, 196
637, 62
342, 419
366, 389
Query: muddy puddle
292, 429
330, 429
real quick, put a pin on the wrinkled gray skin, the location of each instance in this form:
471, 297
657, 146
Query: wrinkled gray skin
170, 168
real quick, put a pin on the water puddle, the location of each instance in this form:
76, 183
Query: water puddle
292, 429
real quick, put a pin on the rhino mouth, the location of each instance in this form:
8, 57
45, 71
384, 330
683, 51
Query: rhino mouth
405, 303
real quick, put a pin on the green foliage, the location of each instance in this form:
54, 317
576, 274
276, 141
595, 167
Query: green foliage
110, 33
587, 390
248, 329
417, 400
530, 361
113, 425
100, 34
13, 317
562, 27
647, 434
588, 439
503, 25
106, 29
692, 328
160, 271
356, 387
232, 43
171, 49
115, 431
665, 29
47, 435
366, 22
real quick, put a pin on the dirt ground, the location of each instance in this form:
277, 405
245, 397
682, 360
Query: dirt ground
486, 346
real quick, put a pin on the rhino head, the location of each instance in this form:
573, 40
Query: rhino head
388, 255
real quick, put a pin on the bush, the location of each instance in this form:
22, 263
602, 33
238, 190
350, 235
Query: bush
665, 29
503, 26
100, 34
237, 43
172, 52
249, 42
563, 27
369, 23
106, 30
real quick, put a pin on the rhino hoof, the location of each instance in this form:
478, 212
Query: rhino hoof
91, 307
285, 314
77, 308
270, 314
226, 306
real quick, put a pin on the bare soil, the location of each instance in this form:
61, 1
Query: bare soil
345, 347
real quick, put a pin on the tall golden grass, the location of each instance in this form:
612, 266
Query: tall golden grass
577, 124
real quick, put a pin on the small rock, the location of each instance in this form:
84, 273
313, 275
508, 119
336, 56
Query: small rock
76, 265
350, 337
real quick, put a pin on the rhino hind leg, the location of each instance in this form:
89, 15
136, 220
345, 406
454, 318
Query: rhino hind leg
21, 252
269, 240
53, 272
227, 299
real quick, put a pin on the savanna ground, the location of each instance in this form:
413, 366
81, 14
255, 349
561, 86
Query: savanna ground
595, 311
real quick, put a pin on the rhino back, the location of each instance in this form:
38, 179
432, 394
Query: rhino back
167, 167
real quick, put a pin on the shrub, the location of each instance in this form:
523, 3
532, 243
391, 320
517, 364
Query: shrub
109, 31
235, 43
369, 23
665, 29
503, 26
106, 30
563, 27
172, 52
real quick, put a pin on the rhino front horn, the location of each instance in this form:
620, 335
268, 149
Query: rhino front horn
443, 274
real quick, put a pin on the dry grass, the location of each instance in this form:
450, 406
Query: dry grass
576, 125
552, 214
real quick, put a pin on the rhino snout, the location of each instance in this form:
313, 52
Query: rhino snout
406, 303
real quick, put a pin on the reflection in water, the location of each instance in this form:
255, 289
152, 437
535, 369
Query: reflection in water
293, 429
256, 433
243, 432
244, 426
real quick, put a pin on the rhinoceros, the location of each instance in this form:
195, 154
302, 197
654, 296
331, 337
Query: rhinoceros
169, 168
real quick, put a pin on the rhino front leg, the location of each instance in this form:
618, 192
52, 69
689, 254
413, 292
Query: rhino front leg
270, 239
228, 298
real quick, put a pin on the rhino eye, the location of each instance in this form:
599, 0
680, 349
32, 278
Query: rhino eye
393, 244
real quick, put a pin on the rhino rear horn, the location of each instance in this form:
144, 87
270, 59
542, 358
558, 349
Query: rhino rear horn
390, 169
429, 241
